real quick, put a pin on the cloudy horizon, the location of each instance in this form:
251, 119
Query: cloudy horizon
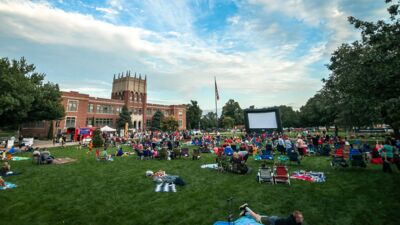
262, 52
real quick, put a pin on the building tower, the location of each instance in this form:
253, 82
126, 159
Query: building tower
133, 91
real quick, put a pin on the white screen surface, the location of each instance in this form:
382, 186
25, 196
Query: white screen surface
266, 120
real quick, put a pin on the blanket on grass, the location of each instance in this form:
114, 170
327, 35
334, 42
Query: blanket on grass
309, 176
8, 186
59, 161
18, 158
209, 166
165, 187
244, 220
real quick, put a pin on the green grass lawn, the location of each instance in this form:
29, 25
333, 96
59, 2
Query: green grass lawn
90, 192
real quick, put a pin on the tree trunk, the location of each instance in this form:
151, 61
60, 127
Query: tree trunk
336, 130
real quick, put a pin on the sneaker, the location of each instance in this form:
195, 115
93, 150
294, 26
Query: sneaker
243, 207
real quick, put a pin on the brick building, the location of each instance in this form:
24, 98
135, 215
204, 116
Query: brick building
82, 110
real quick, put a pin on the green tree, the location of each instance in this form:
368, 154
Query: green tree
232, 109
365, 74
97, 140
169, 124
156, 120
23, 95
289, 117
391, 115
124, 117
209, 121
193, 115
228, 122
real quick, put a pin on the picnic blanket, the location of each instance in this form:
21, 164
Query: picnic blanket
165, 187
59, 161
308, 176
18, 158
209, 166
8, 186
244, 220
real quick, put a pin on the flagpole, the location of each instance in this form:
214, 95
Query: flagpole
216, 111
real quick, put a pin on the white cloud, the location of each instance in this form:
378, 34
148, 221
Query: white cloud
175, 59
233, 20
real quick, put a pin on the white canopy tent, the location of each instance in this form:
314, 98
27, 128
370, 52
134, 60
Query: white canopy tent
107, 129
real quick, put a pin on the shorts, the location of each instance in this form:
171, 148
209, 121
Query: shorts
268, 220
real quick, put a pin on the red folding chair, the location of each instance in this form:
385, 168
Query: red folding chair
281, 174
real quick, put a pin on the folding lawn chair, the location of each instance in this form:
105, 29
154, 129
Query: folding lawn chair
177, 153
265, 175
185, 152
357, 160
196, 154
281, 174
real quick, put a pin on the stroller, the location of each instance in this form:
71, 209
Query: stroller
265, 174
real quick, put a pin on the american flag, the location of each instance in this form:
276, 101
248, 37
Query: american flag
216, 89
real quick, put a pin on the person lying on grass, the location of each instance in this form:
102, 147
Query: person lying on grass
162, 177
296, 218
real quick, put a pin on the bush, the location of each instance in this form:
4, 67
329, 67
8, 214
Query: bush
97, 139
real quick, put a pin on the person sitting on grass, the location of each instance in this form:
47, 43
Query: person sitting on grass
5, 169
104, 155
296, 218
120, 152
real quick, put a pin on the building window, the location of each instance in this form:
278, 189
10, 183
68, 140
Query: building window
90, 108
180, 123
118, 110
70, 122
89, 122
72, 106
101, 122
105, 109
36, 124
140, 111
180, 113
135, 111
148, 111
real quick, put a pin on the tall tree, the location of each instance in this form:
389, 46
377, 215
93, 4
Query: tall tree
366, 73
98, 141
156, 120
169, 124
232, 109
23, 95
289, 117
209, 121
228, 122
193, 115
124, 117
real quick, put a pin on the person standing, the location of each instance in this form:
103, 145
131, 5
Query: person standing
387, 157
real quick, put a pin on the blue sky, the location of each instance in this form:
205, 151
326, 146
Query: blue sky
263, 52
